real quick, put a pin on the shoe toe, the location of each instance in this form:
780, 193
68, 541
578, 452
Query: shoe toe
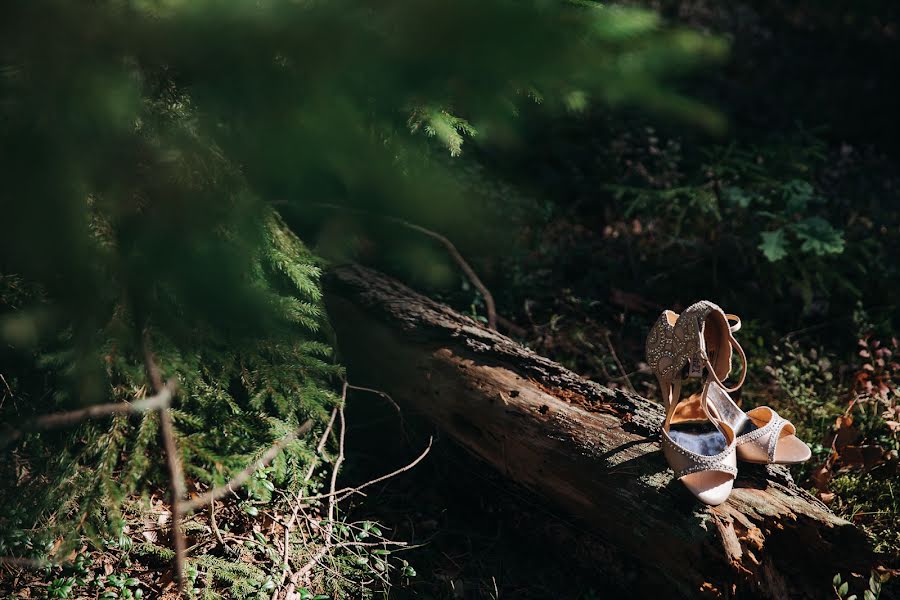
710, 487
791, 450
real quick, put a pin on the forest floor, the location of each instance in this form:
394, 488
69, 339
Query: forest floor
608, 219
599, 222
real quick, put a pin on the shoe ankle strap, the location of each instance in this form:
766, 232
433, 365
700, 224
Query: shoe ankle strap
734, 344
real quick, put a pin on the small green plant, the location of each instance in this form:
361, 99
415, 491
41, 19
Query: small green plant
61, 587
806, 391
119, 587
791, 230
842, 588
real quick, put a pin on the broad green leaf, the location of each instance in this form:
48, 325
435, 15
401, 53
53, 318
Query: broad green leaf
737, 196
773, 245
797, 195
819, 237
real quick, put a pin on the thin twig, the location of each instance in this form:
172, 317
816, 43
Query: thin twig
322, 441
332, 500
176, 476
300, 573
353, 490
320, 448
214, 526
512, 328
24, 563
329, 526
615, 356
238, 480
71, 417
384, 395
489, 304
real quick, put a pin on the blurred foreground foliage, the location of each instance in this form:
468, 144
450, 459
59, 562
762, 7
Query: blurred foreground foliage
149, 149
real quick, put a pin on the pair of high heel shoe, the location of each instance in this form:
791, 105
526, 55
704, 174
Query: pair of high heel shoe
705, 434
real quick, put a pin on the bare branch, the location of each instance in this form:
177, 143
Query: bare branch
489, 304
612, 350
67, 418
238, 480
24, 563
289, 527
329, 526
323, 440
176, 476
354, 490
384, 395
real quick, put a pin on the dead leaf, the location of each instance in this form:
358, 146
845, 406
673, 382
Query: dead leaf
821, 477
862, 456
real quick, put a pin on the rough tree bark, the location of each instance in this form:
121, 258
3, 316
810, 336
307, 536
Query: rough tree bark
590, 450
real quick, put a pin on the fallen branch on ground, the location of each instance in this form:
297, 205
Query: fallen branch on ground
73, 417
238, 480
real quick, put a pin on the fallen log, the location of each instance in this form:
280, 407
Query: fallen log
589, 450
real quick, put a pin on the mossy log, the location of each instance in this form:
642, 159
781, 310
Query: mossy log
589, 450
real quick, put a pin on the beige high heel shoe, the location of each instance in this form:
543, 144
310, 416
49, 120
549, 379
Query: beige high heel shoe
762, 435
700, 446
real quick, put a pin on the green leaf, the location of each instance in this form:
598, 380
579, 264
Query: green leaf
837, 580
576, 101
737, 196
851, 597
868, 595
774, 247
620, 23
797, 195
843, 589
251, 510
819, 237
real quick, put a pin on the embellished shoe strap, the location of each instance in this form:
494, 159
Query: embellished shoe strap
712, 371
689, 462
